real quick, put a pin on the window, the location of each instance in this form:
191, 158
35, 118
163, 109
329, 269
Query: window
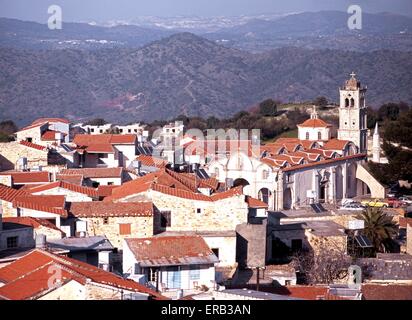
152, 274
199, 210
91, 130
307, 135
106, 220
110, 183
101, 131
125, 229
121, 130
265, 174
165, 219
12, 242
194, 272
29, 139
216, 252
319, 135
296, 244
130, 130
216, 172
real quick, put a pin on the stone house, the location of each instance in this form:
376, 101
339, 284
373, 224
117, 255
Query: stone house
170, 262
116, 221
40, 226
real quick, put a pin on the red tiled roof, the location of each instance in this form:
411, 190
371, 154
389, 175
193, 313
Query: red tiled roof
28, 277
91, 192
301, 291
94, 172
33, 145
25, 177
100, 148
386, 292
335, 144
151, 161
169, 249
43, 120
70, 178
255, 203
31, 222
32, 126
105, 191
327, 161
110, 209
50, 204
49, 135
9, 194
314, 123
90, 139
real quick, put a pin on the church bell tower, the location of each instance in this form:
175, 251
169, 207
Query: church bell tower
352, 114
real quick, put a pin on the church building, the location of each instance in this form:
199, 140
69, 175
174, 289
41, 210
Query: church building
291, 173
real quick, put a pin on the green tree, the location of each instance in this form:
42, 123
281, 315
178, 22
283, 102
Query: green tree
268, 108
321, 102
96, 122
379, 228
7, 129
392, 111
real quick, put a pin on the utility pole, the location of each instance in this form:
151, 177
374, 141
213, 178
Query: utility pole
257, 278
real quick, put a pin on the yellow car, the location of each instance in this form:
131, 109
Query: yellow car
377, 203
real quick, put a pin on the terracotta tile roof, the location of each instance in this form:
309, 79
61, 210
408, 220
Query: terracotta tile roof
386, 292
32, 126
307, 155
100, 148
151, 161
43, 120
50, 204
32, 222
94, 172
90, 139
33, 145
255, 203
110, 209
328, 154
302, 292
214, 147
49, 135
327, 161
70, 178
234, 192
275, 163
171, 183
335, 144
171, 250
314, 123
91, 192
9, 194
28, 277
105, 191
26, 177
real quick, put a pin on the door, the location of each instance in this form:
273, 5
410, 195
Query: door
173, 278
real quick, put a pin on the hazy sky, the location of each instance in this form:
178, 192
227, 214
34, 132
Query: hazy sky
102, 10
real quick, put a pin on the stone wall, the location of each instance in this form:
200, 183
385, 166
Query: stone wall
251, 245
141, 227
10, 152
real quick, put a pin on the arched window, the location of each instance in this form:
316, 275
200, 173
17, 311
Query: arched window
319, 135
307, 135
346, 102
352, 102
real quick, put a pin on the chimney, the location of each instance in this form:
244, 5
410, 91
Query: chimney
41, 242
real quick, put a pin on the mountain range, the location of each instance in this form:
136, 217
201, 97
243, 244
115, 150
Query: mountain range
185, 74
313, 30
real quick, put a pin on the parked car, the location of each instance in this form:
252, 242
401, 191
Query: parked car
406, 199
377, 203
352, 206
